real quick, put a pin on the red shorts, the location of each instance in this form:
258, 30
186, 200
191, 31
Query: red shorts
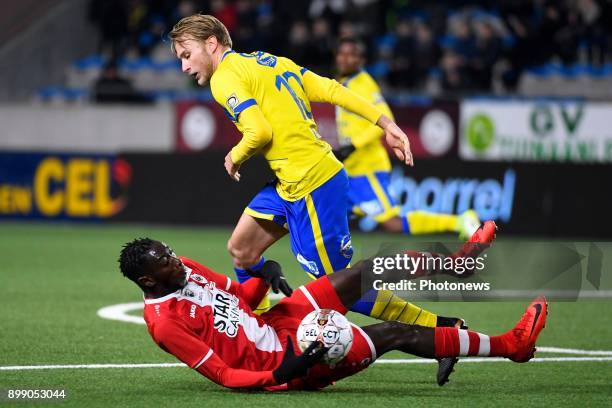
286, 316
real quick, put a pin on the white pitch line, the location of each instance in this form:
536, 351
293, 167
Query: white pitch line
90, 366
120, 312
382, 361
560, 350
492, 360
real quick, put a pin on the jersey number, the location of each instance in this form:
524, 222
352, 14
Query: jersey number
283, 81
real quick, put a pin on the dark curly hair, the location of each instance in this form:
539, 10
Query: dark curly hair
133, 258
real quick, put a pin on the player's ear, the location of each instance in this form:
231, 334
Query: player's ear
146, 281
211, 44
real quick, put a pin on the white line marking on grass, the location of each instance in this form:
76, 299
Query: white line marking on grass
492, 360
382, 361
574, 351
90, 366
120, 312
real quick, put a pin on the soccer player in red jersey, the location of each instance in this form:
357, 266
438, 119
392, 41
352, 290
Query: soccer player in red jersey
206, 321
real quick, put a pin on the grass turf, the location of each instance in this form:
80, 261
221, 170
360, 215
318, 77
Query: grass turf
56, 276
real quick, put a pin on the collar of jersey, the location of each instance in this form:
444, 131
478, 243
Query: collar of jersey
151, 301
346, 80
226, 53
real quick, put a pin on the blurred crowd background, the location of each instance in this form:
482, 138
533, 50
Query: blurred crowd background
445, 48
462, 44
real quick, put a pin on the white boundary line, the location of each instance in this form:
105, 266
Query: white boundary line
582, 352
120, 312
382, 361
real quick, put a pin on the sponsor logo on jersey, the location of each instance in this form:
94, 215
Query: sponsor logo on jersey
226, 313
232, 101
197, 278
195, 293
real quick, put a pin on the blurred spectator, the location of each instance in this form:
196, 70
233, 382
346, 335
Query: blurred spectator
140, 40
346, 29
299, 48
246, 37
112, 88
150, 36
592, 16
404, 36
455, 76
567, 37
527, 50
463, 39
225, 11
323, 44
402, 66
487, 52
426, 53
331, 10
111, 18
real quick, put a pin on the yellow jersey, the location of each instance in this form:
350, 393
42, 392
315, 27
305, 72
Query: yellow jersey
268, 99
370, 155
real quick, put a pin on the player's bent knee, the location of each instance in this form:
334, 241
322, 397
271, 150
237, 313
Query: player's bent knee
243, 257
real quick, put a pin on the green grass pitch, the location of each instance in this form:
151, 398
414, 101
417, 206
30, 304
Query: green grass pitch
56, 276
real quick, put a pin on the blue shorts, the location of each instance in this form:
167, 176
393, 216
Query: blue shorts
317, 223
369, 197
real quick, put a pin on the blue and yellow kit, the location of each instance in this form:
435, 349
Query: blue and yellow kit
368, 166
268, 98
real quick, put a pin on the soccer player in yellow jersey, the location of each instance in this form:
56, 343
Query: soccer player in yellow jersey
367, 163
268, 98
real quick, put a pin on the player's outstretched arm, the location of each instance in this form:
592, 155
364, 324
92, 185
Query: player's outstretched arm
321, 89
256, 133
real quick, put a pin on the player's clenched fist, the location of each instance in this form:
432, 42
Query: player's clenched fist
231, 167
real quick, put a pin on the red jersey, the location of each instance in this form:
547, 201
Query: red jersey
210, 326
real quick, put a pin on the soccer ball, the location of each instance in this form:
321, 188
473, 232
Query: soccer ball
330, 328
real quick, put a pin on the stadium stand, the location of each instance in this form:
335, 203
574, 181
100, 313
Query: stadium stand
528, 47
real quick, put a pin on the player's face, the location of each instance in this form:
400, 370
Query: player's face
195, 60
348, 59
165, 267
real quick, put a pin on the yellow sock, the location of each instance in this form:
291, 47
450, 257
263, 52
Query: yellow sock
423, 222
264, 306
391, 307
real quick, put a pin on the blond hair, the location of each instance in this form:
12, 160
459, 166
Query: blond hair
199, 27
